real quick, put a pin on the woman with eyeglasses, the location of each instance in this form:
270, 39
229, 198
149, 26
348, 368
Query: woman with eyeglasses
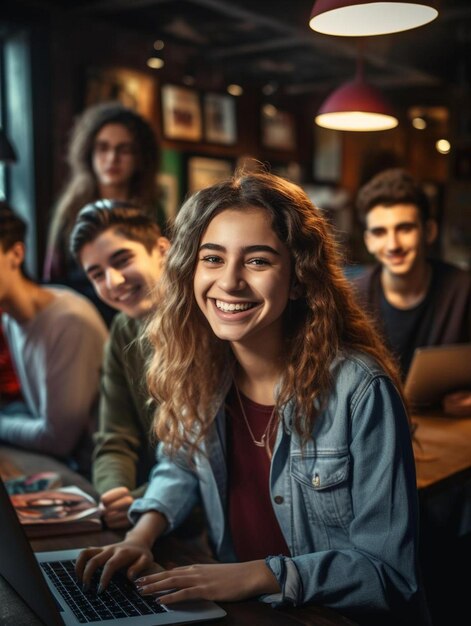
112, 154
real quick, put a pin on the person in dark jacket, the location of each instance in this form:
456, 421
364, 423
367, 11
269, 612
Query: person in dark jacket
414, 300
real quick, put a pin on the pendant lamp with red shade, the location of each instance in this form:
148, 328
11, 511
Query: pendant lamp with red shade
356, 106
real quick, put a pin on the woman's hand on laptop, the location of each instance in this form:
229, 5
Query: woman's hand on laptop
134, 553
458, 403
124, 555
223, 582
115, 504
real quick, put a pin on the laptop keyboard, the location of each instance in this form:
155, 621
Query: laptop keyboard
120, 598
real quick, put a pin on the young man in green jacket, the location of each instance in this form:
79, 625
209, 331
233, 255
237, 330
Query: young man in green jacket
122, 251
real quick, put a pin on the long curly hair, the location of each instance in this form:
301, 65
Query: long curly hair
82, 186
188, 361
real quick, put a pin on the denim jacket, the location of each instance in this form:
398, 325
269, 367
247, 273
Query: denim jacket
346, 502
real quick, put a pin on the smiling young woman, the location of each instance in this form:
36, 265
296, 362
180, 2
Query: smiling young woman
279, 412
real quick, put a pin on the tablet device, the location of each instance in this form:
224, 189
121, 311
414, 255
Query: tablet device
436, 371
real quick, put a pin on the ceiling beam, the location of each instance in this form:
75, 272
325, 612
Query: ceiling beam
289, 36
110, 6
461, 13
325, 86
298, 38
251, 48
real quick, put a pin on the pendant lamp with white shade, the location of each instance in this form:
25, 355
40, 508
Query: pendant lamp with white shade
360, 18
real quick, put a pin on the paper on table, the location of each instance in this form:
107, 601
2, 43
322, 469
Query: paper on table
57, 511
32, 483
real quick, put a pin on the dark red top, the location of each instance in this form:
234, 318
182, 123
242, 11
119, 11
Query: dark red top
9, 385
255, 530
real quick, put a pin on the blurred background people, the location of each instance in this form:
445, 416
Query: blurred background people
122, 252
414, 300
9, 384
112, 154
56, 339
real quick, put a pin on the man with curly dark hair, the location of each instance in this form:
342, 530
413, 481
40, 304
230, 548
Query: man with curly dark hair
415, 300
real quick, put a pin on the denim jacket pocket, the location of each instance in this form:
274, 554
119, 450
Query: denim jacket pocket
324, 482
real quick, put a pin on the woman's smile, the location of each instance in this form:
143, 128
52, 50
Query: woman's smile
234, 307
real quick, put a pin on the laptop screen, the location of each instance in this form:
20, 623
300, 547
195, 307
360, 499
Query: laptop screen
436, 371
19, 566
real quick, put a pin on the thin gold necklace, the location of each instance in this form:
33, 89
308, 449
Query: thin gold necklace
264, 441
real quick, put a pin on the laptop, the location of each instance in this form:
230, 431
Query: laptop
46, 583
436, 371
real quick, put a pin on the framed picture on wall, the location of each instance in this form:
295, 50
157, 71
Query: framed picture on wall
204, 172
290, 170
181, 113
278, 129
462, 162
327, 161
456, 224
220, 119
133, 89
168, 187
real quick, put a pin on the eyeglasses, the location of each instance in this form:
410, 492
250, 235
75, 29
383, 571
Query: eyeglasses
102, 148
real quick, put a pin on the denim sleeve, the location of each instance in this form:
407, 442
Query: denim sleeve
288, 578
375, 569
172, 490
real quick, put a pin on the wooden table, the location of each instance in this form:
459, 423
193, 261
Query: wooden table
178, 549
442, 448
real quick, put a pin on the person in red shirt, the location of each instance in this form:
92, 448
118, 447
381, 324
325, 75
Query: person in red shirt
9, 384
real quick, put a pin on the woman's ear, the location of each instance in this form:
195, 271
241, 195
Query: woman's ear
296, 290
